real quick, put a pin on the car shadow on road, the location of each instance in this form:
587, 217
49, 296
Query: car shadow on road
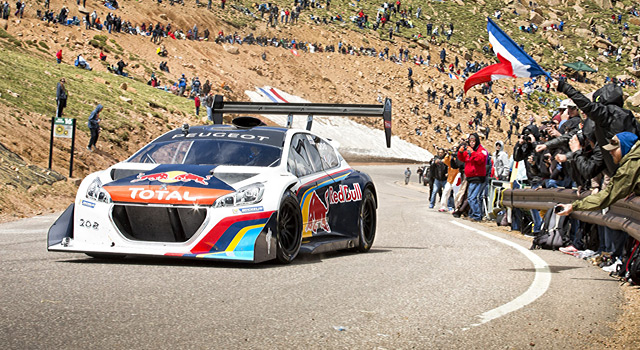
318, 258
302, 259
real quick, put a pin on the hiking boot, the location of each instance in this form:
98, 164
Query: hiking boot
456, 214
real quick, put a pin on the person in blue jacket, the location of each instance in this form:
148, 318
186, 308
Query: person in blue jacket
94, 127
182, 85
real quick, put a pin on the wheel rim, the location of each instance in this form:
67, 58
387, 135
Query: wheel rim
368, 219
288, 228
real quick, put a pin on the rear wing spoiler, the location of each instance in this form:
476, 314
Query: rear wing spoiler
221, 107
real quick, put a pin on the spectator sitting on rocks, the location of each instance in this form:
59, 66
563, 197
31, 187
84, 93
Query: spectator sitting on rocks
163, 67
80, 62
120, 70
161, 51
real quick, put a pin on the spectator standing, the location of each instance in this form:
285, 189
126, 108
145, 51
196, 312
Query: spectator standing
61, 97
446, 200
407, 176
182, 85
59, 56
474, 157
196, 100
438, 171
94, 127
501, 162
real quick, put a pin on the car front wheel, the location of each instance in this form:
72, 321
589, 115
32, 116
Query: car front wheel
289, 236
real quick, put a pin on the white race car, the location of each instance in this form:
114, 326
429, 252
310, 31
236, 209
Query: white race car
243, 192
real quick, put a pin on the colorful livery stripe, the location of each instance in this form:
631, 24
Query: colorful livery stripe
223, 234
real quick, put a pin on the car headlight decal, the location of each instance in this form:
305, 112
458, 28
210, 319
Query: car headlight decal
251, 194
97, 192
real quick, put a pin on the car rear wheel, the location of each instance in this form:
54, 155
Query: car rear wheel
367, 221
289, 236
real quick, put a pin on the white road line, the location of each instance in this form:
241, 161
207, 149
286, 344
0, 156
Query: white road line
537, 288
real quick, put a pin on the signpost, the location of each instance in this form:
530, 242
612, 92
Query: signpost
63, 128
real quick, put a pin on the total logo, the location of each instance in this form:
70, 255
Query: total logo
142, 193
172, 177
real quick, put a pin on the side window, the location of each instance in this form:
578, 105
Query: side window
298, 162
328, 154
314, 155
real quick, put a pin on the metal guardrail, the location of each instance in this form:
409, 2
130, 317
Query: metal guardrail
622, 215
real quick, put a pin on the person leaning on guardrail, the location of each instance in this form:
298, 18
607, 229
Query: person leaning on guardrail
625, 152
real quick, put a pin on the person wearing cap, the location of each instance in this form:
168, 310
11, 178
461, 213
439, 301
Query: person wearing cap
624, 149
570, 118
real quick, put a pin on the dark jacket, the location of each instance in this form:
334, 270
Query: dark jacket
93, 118
438, 170
585, 164
522, 152
607, 113
61, 92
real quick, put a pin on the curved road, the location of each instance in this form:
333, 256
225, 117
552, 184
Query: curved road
430, 281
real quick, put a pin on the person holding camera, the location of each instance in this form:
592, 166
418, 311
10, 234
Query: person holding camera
525, 150
624, 150
474, 157
446, 200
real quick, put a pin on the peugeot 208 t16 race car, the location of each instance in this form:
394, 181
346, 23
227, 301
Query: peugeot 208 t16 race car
222, 192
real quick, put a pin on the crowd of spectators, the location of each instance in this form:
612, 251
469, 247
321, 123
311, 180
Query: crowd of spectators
589, 145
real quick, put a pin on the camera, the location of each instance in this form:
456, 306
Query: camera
581, 138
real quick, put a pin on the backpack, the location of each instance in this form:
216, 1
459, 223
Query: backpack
554, 233
630, 268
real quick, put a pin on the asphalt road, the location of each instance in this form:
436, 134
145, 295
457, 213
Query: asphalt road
430, 281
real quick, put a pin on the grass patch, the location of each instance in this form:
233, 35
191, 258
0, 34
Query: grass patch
23, 73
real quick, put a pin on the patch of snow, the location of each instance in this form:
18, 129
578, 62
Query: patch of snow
353, 138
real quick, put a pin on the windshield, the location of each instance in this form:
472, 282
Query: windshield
215, 152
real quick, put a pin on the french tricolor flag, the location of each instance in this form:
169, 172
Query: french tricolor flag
514, 62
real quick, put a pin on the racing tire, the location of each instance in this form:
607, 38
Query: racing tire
367, 220
289, 229
106, 256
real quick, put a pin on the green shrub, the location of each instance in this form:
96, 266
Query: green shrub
44, 45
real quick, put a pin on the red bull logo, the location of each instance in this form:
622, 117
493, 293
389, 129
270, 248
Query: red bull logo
172, 177
343, 194
317, 218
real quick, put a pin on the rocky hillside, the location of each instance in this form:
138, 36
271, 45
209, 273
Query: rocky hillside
135, 113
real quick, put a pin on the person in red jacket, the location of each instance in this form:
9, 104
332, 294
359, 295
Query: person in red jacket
59, 56
474, 157
197, 102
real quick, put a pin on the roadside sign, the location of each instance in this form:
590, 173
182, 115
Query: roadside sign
63, 127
